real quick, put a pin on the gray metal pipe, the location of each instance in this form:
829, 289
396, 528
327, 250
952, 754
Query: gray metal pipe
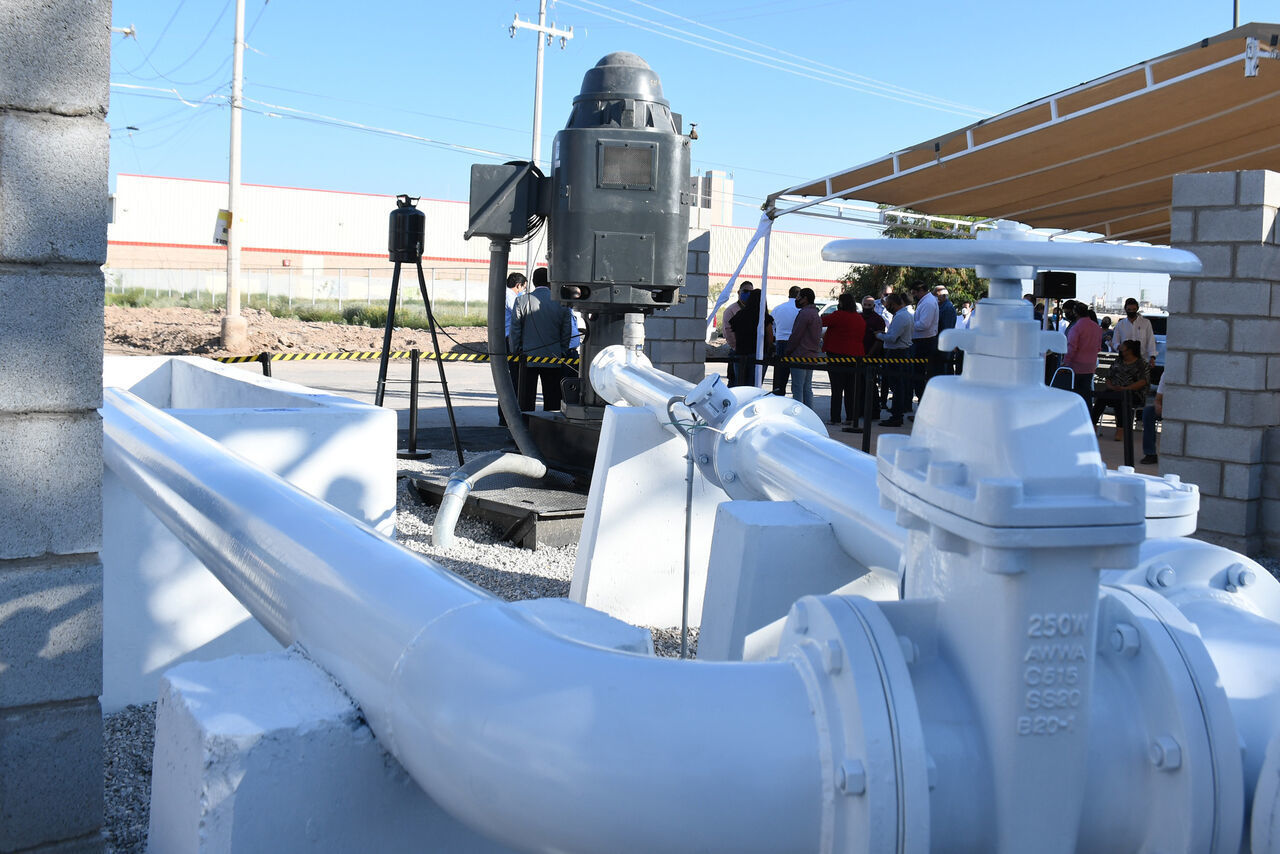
508, 403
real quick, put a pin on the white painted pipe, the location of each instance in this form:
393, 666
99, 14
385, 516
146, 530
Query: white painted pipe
539, 741
775, 458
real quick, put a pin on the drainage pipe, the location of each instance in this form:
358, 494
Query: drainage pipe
542, 742
767, 447
464, 479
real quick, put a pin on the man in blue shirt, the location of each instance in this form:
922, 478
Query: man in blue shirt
897, 345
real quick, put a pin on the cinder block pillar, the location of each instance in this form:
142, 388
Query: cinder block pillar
674, 337
1222, 381
53, 241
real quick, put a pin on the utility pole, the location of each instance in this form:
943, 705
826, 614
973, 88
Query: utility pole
235, 330
545, 34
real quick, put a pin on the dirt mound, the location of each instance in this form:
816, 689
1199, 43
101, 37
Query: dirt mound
190, 331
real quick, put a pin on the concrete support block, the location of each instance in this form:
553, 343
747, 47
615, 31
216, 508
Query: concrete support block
1217, 260
1259, 187
1273, 373
1252, 335
1261, 262
693, 373
55, 190
1172, 440
1179, 300
56, 56
659, 329
52, 359
1182, 225
1189, 403
622, 568
764, 556
1229, 444
1242, 481
1204, 189
1253, 409
1236, 517
1206, 474
50, 773
691, 328
1175, 367
1217, 370
50, 484
1197, 332
266, 753
50, 630
670, 352
1239, 298
1243, 225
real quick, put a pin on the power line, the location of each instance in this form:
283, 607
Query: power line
835, 70
785, 66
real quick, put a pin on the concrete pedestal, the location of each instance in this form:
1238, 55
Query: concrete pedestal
266, 753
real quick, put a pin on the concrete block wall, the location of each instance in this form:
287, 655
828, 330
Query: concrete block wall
674, 337
1222, 371
53, 240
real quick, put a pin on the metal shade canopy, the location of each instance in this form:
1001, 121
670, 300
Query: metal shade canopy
1099, 157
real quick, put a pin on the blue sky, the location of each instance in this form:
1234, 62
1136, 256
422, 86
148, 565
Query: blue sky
781, 90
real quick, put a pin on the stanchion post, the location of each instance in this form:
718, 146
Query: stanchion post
265, 360
869, 400
412, 452
1126, 414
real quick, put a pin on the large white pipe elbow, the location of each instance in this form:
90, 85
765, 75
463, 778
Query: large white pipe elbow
547, 743
552, 745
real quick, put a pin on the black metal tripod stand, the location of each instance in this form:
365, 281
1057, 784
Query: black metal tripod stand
380, 393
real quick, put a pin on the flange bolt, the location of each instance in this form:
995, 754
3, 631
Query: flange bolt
1239, 575
852, 777
1125, 640
1165, 753
1161, 575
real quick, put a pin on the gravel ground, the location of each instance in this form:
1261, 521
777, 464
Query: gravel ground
478, 555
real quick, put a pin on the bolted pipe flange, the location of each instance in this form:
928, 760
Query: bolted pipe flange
851, 661
1173, 696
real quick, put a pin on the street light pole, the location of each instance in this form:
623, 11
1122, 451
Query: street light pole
235, 330
544, 36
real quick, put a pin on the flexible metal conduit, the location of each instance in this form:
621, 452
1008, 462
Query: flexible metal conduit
542, 742
790, 462
464, 479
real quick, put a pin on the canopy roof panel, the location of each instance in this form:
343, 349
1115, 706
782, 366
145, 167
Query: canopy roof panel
1099, 157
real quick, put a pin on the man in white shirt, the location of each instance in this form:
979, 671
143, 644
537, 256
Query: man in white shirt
924, 336
784, 316
1135, 327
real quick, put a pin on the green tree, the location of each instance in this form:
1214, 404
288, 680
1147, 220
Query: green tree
962, 283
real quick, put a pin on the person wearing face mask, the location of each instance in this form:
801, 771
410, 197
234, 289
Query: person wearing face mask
1134, 327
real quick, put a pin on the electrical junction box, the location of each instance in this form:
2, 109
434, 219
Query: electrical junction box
504, 200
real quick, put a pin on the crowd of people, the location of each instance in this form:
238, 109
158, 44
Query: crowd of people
902, 332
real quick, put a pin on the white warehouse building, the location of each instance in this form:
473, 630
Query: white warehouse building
308, 244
